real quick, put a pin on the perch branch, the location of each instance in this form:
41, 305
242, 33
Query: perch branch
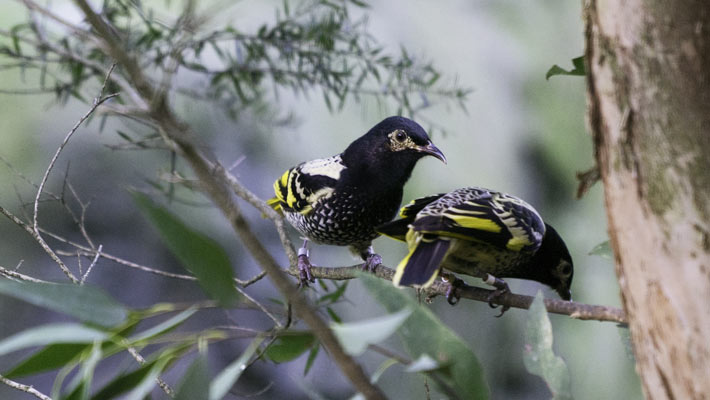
555, 306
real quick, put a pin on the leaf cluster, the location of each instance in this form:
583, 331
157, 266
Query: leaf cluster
310, 46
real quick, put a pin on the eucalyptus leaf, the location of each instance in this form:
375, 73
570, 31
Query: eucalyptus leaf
290, 346
51, 334
220, 385
194, 382
199, 254
578, 70
84, 302
311, 358
49, 358
423, 333
164, 326
356, 336
538, 356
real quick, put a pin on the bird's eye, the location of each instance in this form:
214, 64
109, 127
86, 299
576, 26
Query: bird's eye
566, 269
400, 136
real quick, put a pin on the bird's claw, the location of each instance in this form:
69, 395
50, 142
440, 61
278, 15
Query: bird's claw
304, 270
452, 293
372, 261
501, 289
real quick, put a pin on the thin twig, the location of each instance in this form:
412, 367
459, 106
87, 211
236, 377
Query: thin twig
93, 262
97, 102
163, 385
24, 388
18, 276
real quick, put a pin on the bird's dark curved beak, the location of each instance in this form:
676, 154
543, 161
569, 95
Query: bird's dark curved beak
432, 150
564, 293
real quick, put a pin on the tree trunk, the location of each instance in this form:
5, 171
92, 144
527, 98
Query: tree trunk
648, 76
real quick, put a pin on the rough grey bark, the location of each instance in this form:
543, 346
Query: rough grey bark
648, 75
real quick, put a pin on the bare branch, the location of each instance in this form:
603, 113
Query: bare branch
18, 276
97, 102
24, 388
91, 266
439, 288
139, 358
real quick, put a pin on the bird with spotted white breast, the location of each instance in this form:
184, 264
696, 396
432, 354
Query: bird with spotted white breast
482, 233
340, 200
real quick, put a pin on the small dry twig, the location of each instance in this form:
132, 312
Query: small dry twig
24, 388
37, 235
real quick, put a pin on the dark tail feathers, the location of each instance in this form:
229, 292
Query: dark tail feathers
421, 266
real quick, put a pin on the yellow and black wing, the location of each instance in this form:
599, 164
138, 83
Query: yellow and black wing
469, 214
478, 214
300, 187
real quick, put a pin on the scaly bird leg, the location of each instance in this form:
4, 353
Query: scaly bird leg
452, 293
501, 289
372, 259
304, 265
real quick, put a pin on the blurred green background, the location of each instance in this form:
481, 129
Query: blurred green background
520, 134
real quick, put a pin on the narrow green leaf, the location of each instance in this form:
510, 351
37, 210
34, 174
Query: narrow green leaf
164, 326
333, 315
311, 358
423, 333
603, 250
141, 381
578, 69
195, 381
538, 356
290, 346
199, 254
84, 302
81, 383
220, 385
355, 336
148, 382
50, 358
335, 295
51, 334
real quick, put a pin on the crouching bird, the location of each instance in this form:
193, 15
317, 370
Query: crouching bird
482, 233
340, 200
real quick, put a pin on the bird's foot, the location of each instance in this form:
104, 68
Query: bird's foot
452, 293
501, 289
304, 268
372, 259
372, 262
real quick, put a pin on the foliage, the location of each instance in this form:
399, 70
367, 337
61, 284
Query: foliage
455, 369
538, 355
578, 70
310, 46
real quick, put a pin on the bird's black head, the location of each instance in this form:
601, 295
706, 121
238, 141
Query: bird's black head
554, 264
391, 148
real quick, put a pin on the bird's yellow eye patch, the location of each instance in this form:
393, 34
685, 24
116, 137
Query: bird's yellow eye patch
399, 140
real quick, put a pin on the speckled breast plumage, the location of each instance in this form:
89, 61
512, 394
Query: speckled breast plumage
345, 218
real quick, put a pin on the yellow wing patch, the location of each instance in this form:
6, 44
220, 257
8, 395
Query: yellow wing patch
482, 224
517, 243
